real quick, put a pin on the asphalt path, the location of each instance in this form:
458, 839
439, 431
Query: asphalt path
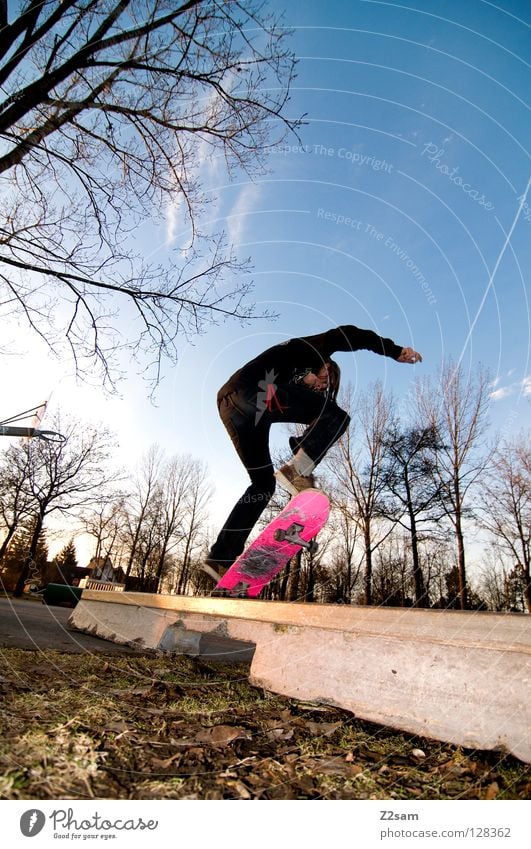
30, 624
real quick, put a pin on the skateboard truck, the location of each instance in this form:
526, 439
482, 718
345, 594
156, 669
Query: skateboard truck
292, 534
238, 591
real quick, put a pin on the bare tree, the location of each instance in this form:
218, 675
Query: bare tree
62, 477
392, 579
16, 557
108, 108
175, 513
169, 511
193, 520
344, 562
456, 407
500, 583
104, 524
147, 549
412, 494
356, 464
15, 501
506, 505
164, 515
436, 554
138, 504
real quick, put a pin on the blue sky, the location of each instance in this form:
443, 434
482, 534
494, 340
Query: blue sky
400, 209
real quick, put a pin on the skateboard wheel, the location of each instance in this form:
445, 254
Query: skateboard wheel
221, 593
280, 535
312, 548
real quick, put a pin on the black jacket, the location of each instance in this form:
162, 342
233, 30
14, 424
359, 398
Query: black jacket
284, 362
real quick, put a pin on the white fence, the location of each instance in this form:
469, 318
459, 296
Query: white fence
95, 584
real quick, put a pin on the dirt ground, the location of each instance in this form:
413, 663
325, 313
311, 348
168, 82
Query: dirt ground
100, 726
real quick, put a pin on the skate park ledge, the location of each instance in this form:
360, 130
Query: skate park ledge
458, 677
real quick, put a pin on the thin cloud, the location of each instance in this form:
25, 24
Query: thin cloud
172, 215
236, 219
501, 393
518, 387
203, 178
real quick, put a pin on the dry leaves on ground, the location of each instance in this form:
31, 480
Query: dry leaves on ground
93, 726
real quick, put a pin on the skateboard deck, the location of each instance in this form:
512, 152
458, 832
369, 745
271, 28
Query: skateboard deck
294, 528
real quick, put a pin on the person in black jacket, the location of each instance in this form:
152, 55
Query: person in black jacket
296, 382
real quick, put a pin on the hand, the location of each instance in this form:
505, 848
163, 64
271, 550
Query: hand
408, 355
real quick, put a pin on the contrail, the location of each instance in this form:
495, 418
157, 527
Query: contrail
495, 269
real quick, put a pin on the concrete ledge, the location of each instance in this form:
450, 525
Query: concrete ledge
459, 677
177, 639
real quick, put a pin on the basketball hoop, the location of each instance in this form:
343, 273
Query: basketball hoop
8, 428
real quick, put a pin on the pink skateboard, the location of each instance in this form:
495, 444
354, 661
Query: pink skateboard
294, 528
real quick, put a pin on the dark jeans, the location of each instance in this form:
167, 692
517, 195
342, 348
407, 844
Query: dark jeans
248, 420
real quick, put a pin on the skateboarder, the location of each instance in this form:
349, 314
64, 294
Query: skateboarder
295, 382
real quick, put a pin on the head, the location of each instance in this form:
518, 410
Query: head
326, 380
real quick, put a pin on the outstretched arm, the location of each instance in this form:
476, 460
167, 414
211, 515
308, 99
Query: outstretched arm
347, 337
408, 355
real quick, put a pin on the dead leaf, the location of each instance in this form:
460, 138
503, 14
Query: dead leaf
279, 734
370, 755
333, 766
492, 790
222, 735
240, 788
322, 729
164, 764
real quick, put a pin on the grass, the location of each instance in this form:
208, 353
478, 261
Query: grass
78, 726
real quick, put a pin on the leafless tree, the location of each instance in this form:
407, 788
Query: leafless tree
193, 521
412, 494
496, 581
436, 555
356, 465
164, 515
506, 505
16, 557
15, 501
104, 523
456, 406
344, 562
168, 511
138, 504
108, 110
62, 477
394, 584
173, 518
392, 578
